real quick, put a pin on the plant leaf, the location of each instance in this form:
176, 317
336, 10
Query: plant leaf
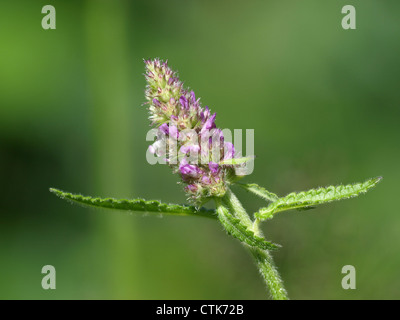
239, 231
316, 196
259, 191
139, 205
234, 161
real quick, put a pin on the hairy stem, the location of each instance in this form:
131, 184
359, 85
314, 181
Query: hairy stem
263, 258
269, 273
233, 203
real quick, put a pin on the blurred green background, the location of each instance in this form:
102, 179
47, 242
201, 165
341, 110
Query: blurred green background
324, 104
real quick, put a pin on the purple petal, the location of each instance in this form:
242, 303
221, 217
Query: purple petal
183, 163
156, 102
193, 148
173, 132
191, 188
189, 170
229, 151
213, 167
164, 128
158, 148
216, 136
205, 180
183, 102
209, 124
192, 96
204, 114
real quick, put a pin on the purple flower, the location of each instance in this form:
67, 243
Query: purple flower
205, 180
209, 124
229, 151
156, 102
192, 148
180, 118
217, 137
183, 101
192, 96
158, 148
204, 114
189, 170
191, 188
213, 167
164, 128
173, 132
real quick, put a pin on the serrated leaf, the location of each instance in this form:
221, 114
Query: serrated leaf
239, 231
315, 197
136, 205
234, 161
259, 191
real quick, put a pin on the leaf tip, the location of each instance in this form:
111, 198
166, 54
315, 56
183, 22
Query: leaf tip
54, 190
374, 181
57, 192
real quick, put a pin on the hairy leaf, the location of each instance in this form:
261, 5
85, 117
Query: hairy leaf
259, 191
314, 197
137, 205
234, 161
239, 231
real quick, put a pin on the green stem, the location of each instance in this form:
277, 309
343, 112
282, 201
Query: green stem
263, 258
233, 203
269, 273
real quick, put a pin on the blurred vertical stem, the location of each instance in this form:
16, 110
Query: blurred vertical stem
263, 258
109, 84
